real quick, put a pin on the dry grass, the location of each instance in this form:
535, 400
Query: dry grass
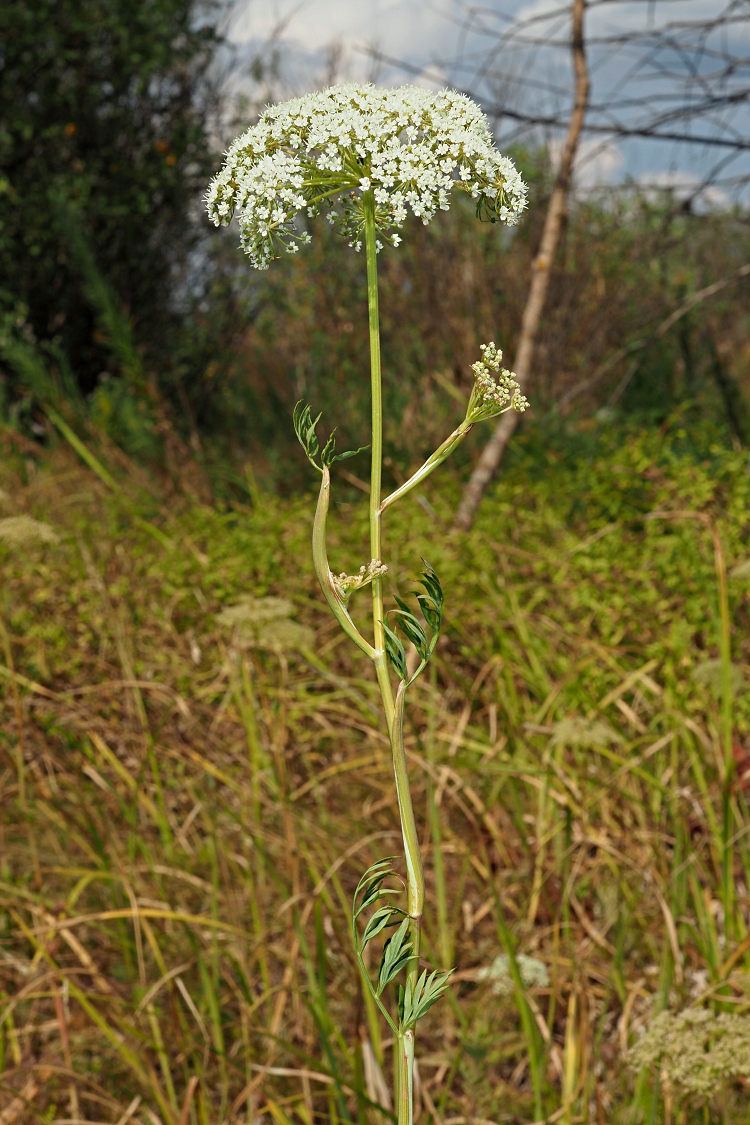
185, 814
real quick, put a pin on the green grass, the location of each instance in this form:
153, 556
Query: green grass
185, 816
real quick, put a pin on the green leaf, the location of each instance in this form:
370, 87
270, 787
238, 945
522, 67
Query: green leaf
370, 885
350, 453
373, 872
426, 992
431, 601
396, 954
372, 894
380, 919
304, 428
369, 890
394, 650
329, 455
412, 628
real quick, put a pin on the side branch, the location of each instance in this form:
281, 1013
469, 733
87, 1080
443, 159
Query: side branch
433, 461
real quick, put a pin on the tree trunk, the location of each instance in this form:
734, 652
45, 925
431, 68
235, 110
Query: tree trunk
540, 275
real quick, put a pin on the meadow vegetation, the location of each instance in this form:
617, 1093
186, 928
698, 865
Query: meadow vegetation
193, 771
194, 775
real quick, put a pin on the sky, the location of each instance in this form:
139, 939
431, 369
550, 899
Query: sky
483, 46
400, 27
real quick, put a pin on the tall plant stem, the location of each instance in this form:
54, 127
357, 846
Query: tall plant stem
376, 471
394, 709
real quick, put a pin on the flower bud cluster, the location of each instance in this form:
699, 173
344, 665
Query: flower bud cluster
496, 389
346, 584
409, 146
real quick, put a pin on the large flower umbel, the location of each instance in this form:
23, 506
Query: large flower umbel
410, 147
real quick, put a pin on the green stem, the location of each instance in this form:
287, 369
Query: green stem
394, 709
380, 661
436, 836
414, 872
405, 1077
441, 453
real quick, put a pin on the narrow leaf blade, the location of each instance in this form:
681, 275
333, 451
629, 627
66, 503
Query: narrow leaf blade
395, 652
396, 954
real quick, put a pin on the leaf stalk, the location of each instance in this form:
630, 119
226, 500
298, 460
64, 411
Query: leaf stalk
323, 570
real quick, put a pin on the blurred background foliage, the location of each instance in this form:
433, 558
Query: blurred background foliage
105, 147
152, 334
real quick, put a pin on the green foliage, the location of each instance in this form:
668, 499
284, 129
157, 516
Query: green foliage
105, 105
395, 652
304, 428
123, 408
370, 887
397, 952
418, 999
397, 948
431, 603
238, 792
29, 363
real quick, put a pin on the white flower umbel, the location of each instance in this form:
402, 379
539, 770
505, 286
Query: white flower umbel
410, 147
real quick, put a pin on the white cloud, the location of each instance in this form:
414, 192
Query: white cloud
597, 161
683, 186
398, 27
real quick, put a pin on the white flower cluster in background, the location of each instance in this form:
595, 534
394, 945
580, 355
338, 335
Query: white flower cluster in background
23, 531
266, 623
695, 1050
533, 974
496, 389
409, 146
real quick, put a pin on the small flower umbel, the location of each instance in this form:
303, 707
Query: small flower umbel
369, 156
495, 389
347, 584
